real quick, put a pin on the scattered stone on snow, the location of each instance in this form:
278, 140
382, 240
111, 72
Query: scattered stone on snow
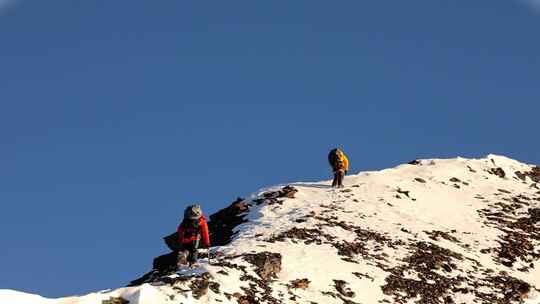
405, 192
471, 169
299, 283
115, 300
363, 275
534, 174
341, 287
268, 264
285, 192
199, 286
520, 234
498, 171
435, 235
306, 234
508, 289
430, 286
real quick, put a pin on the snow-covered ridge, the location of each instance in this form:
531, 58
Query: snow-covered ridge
432, 231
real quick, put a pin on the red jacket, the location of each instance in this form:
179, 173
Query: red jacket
188, 233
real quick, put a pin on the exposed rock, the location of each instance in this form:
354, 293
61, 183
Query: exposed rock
498, 171
351, 249
299, 284
406, 192
435, 235
517, 242
276, 197
166, 261
223, 222
199, 286
244, 299
308, 235
267, 264
431, 286
285, 192
117, 300
534, 174
420, 180
363, 275
520, 175
511, 290
341, 287
214, 286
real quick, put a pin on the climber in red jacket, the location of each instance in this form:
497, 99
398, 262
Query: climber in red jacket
190, 232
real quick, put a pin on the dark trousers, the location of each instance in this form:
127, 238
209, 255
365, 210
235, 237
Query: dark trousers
339, 175
191, 252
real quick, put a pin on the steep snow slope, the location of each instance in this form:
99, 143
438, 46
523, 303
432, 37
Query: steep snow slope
433, 231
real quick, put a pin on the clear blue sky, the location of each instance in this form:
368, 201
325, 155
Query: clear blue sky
116, 114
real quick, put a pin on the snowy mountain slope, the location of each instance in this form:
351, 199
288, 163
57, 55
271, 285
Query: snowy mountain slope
433, 231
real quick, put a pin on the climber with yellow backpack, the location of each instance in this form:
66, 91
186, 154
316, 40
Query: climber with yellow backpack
340, 165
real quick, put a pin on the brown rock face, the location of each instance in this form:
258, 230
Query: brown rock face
115, 301
166, 261
223, 222
534, 174
498, 171
341, 287
267, 264
199, 287
299, 284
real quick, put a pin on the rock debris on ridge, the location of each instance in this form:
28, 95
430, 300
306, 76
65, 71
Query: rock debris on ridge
432, 231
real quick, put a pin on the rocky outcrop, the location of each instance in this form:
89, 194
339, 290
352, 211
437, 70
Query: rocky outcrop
299, 283
199, 286
276, 197
498, 171
267, 264
223, 222
534, 174
115, 301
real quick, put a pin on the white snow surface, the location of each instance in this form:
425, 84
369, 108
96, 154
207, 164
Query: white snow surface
370, 201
